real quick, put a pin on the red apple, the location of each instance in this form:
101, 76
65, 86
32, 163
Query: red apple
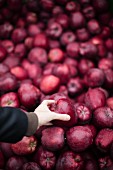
12, 60
18, 35
8, 82
25, 146
40, 40
15, 162
79, 138
62, 72
104, 139
38, 55
3, 53
9, 99
31, 166
19, 72
20, 50
64, 106
56, 55
3, 69
8, 45
6, 149
49, 84
94, 98
33, 30
29, 95
46, 159
56, 138
69, 160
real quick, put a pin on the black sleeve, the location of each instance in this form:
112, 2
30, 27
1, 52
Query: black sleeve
13, 124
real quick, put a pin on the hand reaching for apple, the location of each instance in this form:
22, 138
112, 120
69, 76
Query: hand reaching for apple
45, 116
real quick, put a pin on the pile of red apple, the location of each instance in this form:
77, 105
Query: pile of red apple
61, 50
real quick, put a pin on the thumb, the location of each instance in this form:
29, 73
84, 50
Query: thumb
64, 117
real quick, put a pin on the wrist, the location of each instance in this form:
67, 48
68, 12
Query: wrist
32, 123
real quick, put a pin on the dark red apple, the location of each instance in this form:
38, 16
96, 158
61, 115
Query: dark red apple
63, 20
31, 18
49, 84
19, 72
88, 50
46, 159
74, 86
77, 20
84, 65
73, 49
72, 6
11, 60
103, 117
20, 50
109, 102
8, 45
9, 99
29, 95
94, 77
89, 12
56, 138
54, 30
5, 30
69, 160
40, 40
28, 43
31, 166
18, 35
105, 63
25, 146
38, 55
105, 162
79, 138
33, 30
15, 162
94, 98
6, 149
104, 139
56, 55
93, 27
64, 106
3, 69
8, 82
62, 72
3, 53
84, 114
100, 6
83, 34
67, 37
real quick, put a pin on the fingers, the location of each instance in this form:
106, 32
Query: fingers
49, 124
63, 117
46, 102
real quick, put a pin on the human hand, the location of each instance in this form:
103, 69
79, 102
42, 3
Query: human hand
45, 115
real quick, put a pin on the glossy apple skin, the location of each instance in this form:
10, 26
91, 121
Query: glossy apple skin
70, 160
31, 166
25, 146
29, 95
79, 138
15, 162
9, 99
46, 159
56, 138
64, 106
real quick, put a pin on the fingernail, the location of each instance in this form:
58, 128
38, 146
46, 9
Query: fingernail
67, 117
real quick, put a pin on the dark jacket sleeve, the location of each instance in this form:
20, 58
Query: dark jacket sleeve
13, 124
